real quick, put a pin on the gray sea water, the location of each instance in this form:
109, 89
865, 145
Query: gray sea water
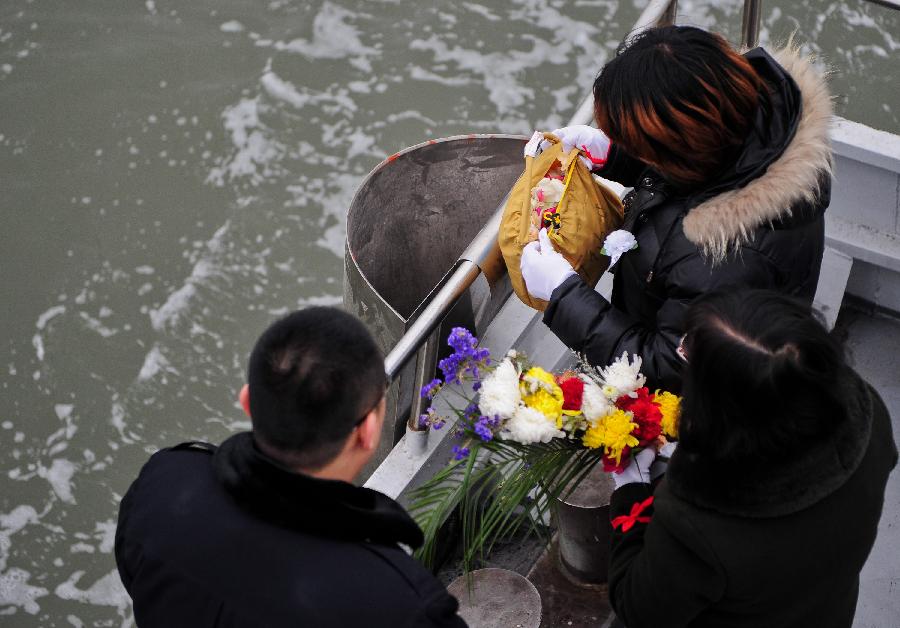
174, 175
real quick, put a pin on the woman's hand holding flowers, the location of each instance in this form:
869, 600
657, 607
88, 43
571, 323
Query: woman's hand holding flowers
638, 470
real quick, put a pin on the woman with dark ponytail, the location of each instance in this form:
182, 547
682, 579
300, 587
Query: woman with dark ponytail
771, 501
729, 160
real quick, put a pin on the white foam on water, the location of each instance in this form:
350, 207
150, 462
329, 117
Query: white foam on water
51, 313
256, 154
154, 362
232, 26
557, 39
63, 410
285, 91
38, 343
15, 591
105, 533
59, 476
11, 523
332, 38
107, 591
117, 419
335, 204
324, 299
95, 325
179, 300
14, 588
481, 10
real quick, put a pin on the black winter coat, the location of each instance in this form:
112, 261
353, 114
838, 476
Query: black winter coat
779, 546
760, 225
227, 538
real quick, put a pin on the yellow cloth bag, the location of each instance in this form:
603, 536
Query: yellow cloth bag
588, 211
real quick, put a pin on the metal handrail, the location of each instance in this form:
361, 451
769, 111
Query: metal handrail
750, 23
484, 245
890, 4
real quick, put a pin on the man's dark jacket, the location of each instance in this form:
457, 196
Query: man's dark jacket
225, 537
741, 544
759, 225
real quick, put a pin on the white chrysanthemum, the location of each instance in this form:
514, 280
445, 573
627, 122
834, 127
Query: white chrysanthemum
623, 376
499, 394
528, 425
594, 403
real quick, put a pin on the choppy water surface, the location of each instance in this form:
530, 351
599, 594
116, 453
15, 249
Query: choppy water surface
175, 174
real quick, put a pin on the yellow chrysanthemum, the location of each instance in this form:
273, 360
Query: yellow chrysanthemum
540, 391
670, 406
612, 432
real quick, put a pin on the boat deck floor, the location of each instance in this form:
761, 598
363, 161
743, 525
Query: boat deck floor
873, 343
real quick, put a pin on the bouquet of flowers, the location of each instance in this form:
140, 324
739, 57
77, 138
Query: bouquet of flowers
530, 435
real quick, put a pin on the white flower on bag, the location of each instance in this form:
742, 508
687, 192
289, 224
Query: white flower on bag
529, 425
594, 404
617, 243
622, 377
499, 394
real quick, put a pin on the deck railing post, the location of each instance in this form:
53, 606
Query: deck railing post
668, 18
750, 24
426, 361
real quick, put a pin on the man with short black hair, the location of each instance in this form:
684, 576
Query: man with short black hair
266, 529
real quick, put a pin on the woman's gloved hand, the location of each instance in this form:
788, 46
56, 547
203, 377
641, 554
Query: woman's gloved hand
543, 268
638, 470
593, 142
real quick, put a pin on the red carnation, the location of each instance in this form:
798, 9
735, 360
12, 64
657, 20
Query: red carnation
646, 413
573, 390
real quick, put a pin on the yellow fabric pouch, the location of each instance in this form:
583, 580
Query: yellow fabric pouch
588, 211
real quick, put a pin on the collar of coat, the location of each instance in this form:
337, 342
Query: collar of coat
806, 474
790, 178
328, 508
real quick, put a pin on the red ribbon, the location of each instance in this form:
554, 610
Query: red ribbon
597, 161
627, 521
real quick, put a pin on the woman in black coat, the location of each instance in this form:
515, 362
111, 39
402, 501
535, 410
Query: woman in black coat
771, 501
730, 162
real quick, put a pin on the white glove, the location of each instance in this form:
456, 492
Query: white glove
593, 142
543, 269
638, 469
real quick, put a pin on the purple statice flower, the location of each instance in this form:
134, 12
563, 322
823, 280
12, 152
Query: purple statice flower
466, 356
431, 419
485, 425
430, 389
460, 453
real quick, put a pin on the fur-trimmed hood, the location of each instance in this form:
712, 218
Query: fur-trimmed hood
784, 180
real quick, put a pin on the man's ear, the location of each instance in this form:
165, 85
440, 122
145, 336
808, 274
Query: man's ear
244, 398
369, 431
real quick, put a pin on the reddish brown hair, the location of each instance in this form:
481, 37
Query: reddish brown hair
680, 99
